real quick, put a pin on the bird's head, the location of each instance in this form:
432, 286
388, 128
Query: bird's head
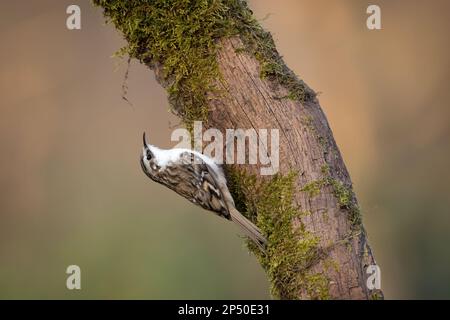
148, 160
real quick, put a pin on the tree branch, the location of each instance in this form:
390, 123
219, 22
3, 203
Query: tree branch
218, 65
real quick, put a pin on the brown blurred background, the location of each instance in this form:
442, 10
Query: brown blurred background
72, 191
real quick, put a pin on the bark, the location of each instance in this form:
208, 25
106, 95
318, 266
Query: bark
255, 104
306, 146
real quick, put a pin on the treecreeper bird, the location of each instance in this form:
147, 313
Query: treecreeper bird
200, 180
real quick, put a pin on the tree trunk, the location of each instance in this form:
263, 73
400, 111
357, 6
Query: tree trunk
317, 245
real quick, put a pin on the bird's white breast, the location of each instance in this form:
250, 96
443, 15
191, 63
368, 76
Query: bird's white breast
165, 157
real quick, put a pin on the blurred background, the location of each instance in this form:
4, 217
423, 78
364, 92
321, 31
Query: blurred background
72, 191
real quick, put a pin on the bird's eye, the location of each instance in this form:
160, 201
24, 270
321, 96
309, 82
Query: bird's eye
149, 156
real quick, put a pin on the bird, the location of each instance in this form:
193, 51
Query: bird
199, 179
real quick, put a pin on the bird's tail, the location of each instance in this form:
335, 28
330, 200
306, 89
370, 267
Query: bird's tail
249, 228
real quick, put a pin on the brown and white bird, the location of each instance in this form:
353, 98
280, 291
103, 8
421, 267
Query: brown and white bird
200, 180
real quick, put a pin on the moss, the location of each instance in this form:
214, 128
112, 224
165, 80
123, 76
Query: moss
313, 188
323, 142
343, 194
307, 121
347, 201
325, 216
179, 34
272, 67
331, 264
317, 286
325, 169
376, 295
240, 50
291, 249
182, 36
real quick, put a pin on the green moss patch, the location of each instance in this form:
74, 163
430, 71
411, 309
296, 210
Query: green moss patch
291, 249
313, 188
343, 194
182, 36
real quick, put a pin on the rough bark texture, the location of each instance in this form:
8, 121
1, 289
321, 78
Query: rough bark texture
322, 186
306, 145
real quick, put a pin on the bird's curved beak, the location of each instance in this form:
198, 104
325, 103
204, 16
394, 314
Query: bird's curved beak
144, 140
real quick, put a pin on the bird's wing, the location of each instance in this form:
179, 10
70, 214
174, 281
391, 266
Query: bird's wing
195, 180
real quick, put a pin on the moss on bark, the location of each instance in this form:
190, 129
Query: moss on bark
182, 36
291, 249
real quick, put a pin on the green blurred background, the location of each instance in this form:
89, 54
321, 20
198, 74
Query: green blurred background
72, 191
